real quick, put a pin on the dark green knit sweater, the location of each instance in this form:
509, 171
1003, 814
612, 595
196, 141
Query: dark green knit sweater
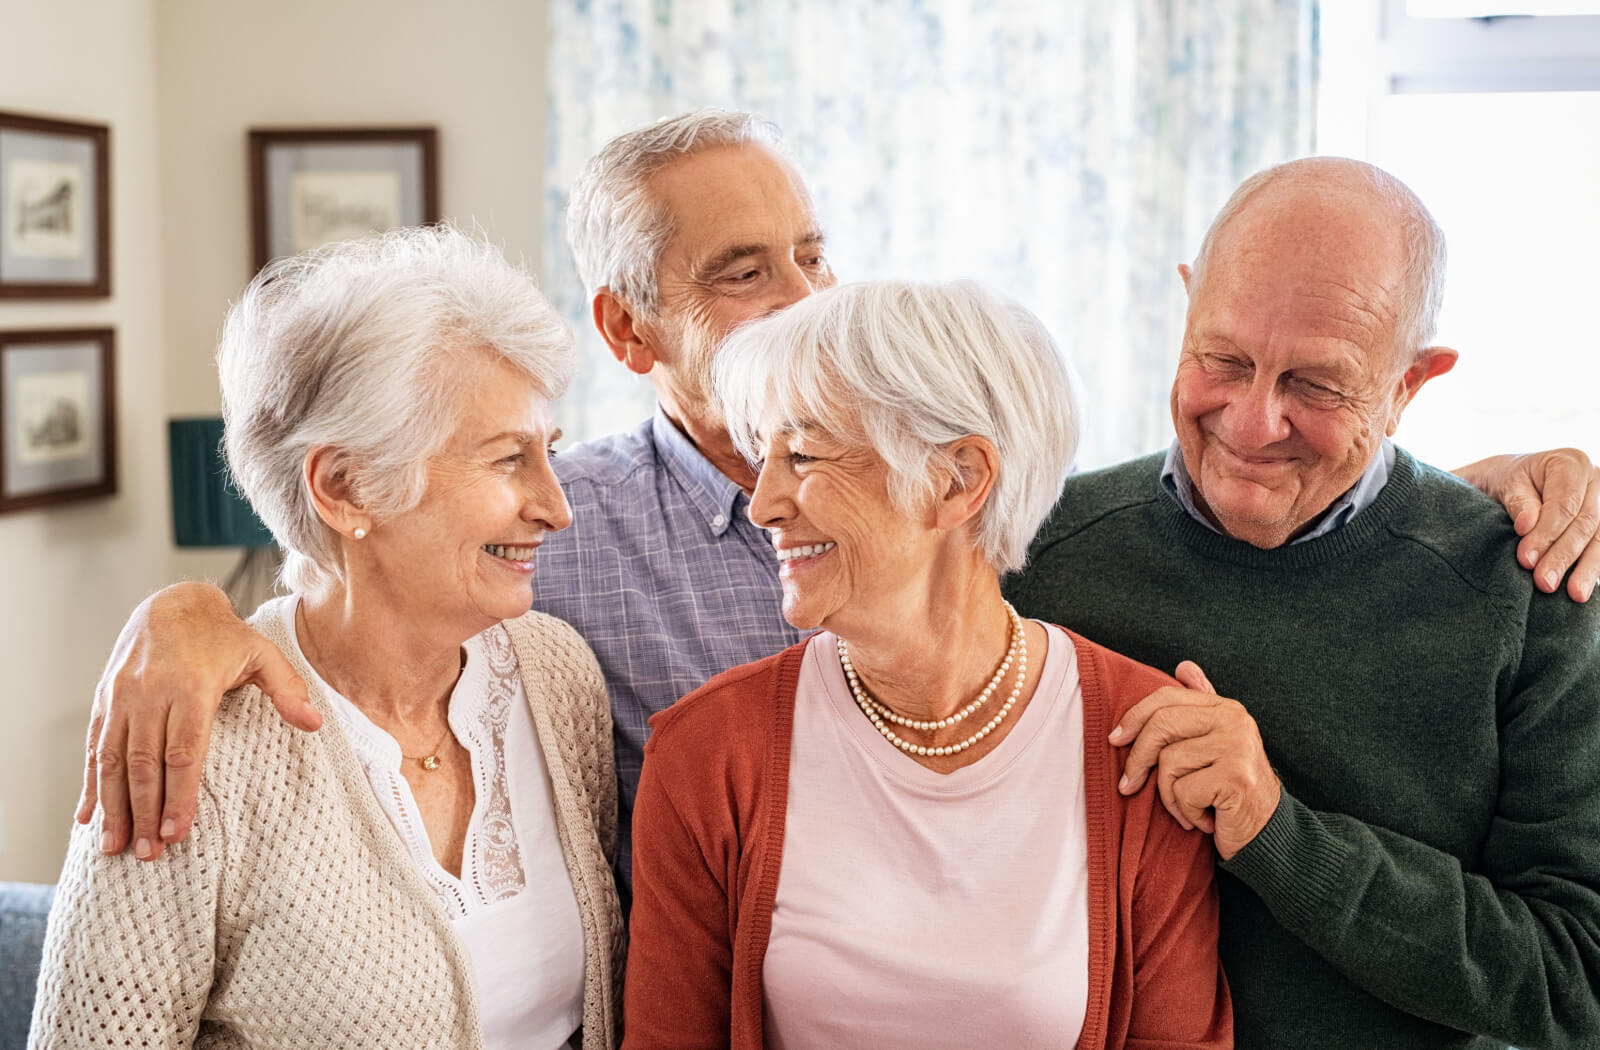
1432, 876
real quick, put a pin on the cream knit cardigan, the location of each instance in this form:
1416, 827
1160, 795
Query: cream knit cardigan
292, 915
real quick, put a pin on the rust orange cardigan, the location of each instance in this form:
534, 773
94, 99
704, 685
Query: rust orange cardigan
708, 843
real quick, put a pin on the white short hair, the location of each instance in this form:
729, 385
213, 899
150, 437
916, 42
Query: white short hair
616, 230
355, 346
908, 368
1421, 291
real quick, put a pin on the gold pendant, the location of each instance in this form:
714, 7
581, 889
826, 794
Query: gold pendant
430, 763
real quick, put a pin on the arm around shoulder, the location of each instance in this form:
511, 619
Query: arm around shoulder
182, 649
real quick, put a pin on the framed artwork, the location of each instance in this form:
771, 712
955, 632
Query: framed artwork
57, 417
312, 186
55, 209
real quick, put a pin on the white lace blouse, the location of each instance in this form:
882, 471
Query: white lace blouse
513, 906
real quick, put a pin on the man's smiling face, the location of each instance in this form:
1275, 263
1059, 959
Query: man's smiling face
1289, 377
746, 242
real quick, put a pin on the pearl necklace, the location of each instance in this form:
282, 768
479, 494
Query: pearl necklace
878, 713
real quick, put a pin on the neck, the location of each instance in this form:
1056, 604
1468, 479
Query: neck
394, 671
932, 662
713, 442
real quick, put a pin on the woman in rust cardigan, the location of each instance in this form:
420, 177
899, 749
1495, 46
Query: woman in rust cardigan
905, 831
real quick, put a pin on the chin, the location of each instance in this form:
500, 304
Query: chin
509, 607
801, 621
801, 615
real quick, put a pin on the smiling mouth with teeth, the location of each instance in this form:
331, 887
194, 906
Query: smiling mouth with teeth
510, 553
789, 554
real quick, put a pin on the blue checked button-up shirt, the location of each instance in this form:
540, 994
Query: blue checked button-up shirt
664, 575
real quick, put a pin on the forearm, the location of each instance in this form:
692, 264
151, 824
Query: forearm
1405, 922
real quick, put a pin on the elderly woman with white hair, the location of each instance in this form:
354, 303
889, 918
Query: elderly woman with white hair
905, 830
432, 867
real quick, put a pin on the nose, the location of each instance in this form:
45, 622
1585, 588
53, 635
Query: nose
793, 283
543, 502
1257, 416
771, 504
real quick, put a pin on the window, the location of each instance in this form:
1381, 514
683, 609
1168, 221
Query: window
1494, 119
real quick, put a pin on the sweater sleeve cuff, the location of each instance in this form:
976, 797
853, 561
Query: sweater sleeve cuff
1293, 864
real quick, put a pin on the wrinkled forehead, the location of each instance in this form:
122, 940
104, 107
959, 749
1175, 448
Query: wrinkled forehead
1321, 228
1304, 273
726, 195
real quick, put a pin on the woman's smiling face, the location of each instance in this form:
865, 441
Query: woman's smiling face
463, 557
846, 551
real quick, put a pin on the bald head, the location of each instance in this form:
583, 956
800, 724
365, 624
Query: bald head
1333, 206
1311, 310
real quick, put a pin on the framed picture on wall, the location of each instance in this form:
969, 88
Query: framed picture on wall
55, 209
57, 417
313, 186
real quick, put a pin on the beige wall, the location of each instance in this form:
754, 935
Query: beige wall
180, 81
474, 69
68, 576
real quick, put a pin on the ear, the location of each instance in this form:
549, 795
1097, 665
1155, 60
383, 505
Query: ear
1184, 274
978, 465
619, 325
1434, 361
326, 476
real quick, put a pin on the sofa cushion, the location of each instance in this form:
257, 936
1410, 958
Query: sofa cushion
24, 908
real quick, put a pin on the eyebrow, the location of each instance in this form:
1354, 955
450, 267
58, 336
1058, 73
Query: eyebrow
730, 255
523, 437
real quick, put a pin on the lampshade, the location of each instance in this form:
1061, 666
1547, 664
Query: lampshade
207, 511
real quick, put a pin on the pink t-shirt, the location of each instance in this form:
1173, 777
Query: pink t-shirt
923, 910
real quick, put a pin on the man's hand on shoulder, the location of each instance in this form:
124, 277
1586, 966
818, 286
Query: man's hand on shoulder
1553, 498
1211, 767
151, 724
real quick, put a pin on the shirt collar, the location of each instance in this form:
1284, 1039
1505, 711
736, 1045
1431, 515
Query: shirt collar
713, 493
1175, 479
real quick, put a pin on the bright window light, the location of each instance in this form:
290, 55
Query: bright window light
1489, 8
1511, 177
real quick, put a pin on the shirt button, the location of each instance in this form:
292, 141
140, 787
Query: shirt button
718, 521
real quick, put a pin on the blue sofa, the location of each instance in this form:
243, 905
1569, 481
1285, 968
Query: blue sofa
24, 907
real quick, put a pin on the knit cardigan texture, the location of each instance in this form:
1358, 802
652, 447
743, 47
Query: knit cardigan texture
708, 850
1431, 877
292, 915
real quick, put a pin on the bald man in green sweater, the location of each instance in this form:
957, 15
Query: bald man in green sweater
1402, 774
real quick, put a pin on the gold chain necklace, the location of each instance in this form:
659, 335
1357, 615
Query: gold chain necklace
879, 714
430, 761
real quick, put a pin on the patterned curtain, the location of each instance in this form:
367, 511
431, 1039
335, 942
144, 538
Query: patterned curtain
1069, 154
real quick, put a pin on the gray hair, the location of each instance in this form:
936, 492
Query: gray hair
1421, 290
616, 230
357, 346
908, 368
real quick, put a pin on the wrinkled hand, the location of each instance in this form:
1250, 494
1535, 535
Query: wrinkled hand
151, 724
1211, 768
1553, 498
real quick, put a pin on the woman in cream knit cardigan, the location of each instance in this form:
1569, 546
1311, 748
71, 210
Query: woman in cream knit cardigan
431, 868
